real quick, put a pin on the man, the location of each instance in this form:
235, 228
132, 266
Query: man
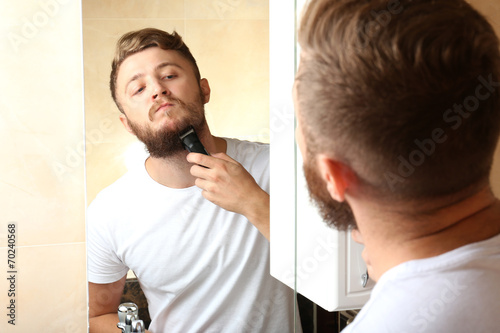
192, 227
398, 119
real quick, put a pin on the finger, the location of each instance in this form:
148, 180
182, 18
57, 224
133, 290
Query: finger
224, 157
196, 158
200, 171
204, 160
207, 194
203, 184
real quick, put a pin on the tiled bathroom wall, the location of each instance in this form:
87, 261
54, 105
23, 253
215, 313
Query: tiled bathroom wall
42, 185
228, 38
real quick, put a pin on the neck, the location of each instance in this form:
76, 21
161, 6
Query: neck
174, 171
392, 237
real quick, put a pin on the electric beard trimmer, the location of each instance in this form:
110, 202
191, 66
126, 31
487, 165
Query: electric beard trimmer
191, 142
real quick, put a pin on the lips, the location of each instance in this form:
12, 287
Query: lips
159, 105
164, 106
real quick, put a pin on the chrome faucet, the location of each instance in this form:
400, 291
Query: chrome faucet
128, 314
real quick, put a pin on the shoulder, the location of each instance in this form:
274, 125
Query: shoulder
244, 151
254, 157
437, 287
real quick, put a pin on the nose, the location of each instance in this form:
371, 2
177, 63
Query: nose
155, 96
158, 90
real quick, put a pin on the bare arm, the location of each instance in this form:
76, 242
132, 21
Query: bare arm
104, 300
226, 183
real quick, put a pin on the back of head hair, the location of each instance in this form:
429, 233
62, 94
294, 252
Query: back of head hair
136, 41
404, 92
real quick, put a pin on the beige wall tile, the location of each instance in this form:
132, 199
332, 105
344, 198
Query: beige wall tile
236, 63
227, 9
133, 9
42, 179
50, 291
42, 170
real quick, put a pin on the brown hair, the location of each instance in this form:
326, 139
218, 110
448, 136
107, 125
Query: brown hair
404, 92
136, 41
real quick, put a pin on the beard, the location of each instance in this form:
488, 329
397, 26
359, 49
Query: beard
165, 142
336, 214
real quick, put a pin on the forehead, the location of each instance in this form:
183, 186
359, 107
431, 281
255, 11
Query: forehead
146, 61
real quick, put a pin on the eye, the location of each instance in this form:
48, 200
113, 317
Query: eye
138, 91
168, 77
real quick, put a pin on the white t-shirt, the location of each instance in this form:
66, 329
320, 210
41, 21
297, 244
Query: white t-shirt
455, 292
202, 268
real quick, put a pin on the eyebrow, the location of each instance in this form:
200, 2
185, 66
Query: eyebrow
158, 67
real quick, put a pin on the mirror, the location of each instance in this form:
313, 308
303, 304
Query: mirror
230, 42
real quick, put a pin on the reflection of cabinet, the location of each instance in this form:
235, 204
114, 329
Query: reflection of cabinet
320, 263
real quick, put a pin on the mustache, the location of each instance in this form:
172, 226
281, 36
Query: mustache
159, 102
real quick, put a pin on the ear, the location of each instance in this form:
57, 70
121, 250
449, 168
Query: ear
205, 90
124, 120
337, 175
